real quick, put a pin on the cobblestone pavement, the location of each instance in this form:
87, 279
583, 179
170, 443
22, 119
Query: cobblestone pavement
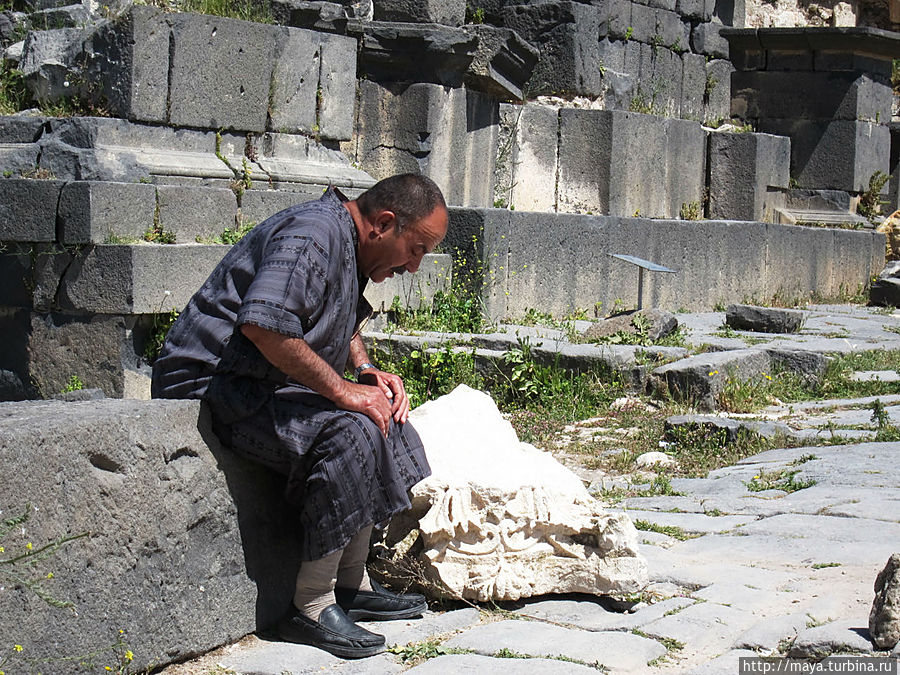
733, 572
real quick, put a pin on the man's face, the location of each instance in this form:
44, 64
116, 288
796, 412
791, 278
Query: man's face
398, 253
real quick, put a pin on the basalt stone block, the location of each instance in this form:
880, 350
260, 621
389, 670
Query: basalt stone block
195, 213
413, 290
840, 96
337, 87
105, 352
763, 319
693, 86
298, 56
838, 155
430, 129
136, 279
705, 39
668, 5
210, 562
28, 209
90, 212
447, 12
326, 17
884, 617
660, 80
619, 19
643, 23
132, 57
531, 161
744, 171
220, 72
257, 205
395, 52
885, 293
701, 379
717, 95
21, 128
672, 31
619, 163
502, 64
567, 35
700, 10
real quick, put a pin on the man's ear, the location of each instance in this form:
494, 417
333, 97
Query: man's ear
384, 222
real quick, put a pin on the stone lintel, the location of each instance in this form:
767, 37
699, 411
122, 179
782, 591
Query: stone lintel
872, 42
503, 62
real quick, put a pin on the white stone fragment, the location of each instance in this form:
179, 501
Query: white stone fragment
649, 459
502, 520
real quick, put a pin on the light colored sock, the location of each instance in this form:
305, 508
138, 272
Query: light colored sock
352, 569
315, 585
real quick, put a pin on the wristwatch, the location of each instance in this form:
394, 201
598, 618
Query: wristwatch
360, 368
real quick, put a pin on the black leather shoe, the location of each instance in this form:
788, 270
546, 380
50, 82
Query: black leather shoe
379, 604
334, 632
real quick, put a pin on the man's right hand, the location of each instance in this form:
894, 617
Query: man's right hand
368, 400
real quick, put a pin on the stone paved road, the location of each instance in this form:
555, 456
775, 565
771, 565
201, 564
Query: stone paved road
770, 571
750, 572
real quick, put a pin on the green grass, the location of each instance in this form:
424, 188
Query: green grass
260, 12
669, 530
782, 479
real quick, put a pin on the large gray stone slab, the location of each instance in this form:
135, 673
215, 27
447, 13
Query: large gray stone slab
767, 634
91, 212
337, 87
696, 571
529, 160
724, 664
275, 658
295, 79
211, 562
451, 13
741, 596
476, 664
847, 635
136, 279
614, 650
28, 209
589, 614
717, 94
195, 213
704, 626
430, 626
838, 155
566, 34
695, 523
220, 73
592, 141
748, 174
764, 319
702, 378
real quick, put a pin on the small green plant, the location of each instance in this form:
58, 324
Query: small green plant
158, 332
234, 235
258, 12
507, 653
641, 104
13, 93
669, 530
74, 384
629, 32
656, 42
156, 234
417, 652
820, 566
711, 84
870, 200
476, 15
782, 479
690, 211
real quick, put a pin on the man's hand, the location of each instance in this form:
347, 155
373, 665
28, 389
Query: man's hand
392, 387
368, 400
294, 357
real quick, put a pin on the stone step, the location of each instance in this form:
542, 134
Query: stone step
792, 216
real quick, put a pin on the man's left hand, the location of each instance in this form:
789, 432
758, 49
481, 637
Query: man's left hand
392, 387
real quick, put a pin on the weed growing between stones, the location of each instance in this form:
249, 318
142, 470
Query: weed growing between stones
668, 530
157, 234
414, 653
820, 566
690, 211
782, 479
886, 431
870, 200
158, 331
454, 311
74, 384
13, 94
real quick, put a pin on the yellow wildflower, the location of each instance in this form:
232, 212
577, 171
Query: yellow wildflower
129, 656
107, 668
18, 648
713, 372
29, 546
2, 550
49, 575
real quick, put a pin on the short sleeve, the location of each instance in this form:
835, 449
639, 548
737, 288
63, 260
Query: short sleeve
287, 293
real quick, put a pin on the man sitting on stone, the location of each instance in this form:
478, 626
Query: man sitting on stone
265, 342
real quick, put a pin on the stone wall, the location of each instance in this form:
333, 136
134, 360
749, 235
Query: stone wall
561, 263
187, 548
